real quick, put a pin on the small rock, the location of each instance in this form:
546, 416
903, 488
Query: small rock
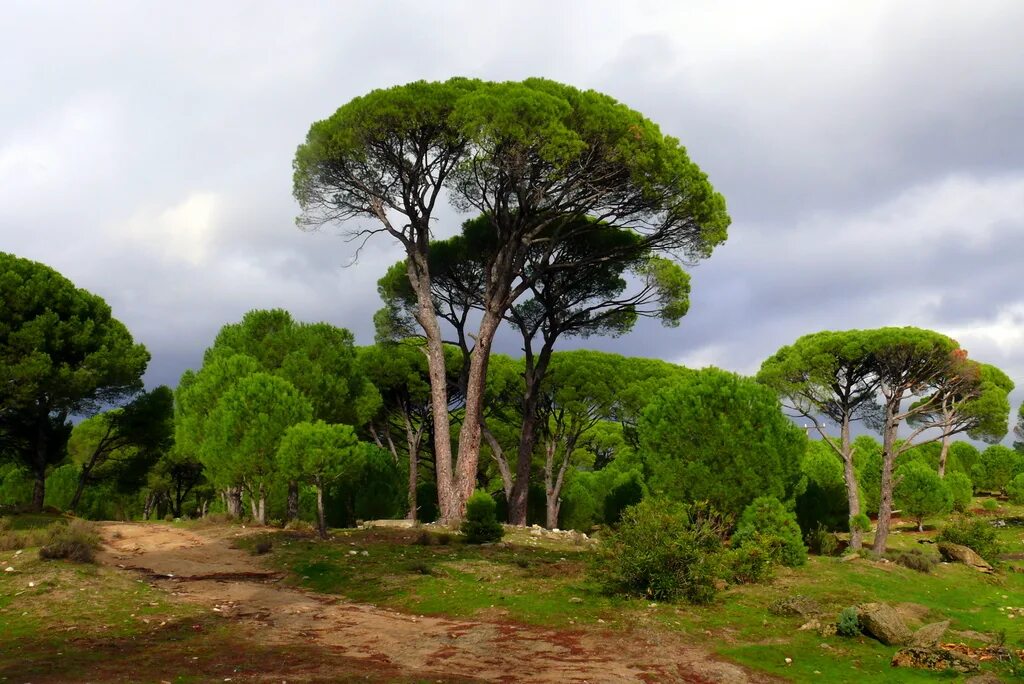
8, 569
828, 630
933, 659
851, 557
881, 621
984, 678
800, 605
789, 661
575, 599
812, 624
929, 636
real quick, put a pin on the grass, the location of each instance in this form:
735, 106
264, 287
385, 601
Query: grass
544, 582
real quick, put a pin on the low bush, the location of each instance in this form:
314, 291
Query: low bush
990, 505
302, 526
262, 546
76, 541
1015, 490
767, 523
860, 523
748, 564
848, 624
424, 538
5, 524
962, 489
915, 559
481, 525
659, 552
419, 568
821, 542
973, 533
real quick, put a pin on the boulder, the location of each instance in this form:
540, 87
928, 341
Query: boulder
933, 659
929, 636
881, 621
984, 678
955, 553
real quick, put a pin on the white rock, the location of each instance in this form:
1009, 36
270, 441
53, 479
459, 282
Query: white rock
8, 569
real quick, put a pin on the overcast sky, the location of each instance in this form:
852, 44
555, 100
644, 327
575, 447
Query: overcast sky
871, 154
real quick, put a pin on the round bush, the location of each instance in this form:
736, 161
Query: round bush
659, 552
1015, 489
481, 524
920, 492
848, 623
767, 523
962, 489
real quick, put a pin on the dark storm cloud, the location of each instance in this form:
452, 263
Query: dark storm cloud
870, 155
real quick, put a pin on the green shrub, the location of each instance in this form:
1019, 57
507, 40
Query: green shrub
1015, 489
748, 564
621, 497
767, 523
481, 524
920, 492
860, 523
990, 505
77, 541
915, 559
660, 552
962, 489
848, 624
821, 542
973, 533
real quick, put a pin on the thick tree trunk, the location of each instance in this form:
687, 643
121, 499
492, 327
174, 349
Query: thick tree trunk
83, 477
233, 501
885, 503
321, 518
553, 481
554, 504
850, 477
943, 454
293, 501
412, 438
469, 435
261, 509
147, 508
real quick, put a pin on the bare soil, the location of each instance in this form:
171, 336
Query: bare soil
356, 640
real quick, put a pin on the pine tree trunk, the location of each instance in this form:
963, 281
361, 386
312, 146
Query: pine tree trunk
943, 454
885, 504
293, 501
469, 436
850, 477
321, 518
233, 501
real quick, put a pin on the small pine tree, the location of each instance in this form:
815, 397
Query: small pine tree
768, 524
481, 524
921, 492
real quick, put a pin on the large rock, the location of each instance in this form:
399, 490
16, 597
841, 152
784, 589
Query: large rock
955, 553
881, 621
933, 659
929, 636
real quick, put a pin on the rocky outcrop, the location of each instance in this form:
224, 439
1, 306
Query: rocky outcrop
799, 605
929, 636
955, 553
936, 659
882, 622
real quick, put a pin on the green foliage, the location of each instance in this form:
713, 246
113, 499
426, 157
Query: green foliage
1015, 489
996, 466
623, 495
768, 524
822, 542
749, 563
990, 505
481, 525
961, 489
860, 522
823, 502
848, 622
318, 452
713, 435
915, 559
920, 492
974, 533
661, 552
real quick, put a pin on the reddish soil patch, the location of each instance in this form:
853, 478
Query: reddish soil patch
201, 566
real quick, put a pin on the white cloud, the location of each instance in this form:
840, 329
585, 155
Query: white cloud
185, 231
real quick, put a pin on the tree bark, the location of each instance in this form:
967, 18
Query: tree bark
293, 501
39, 469
83, 477
943, 454
885, 503
233, 501
412, 438
321, 518
469, 435
850, 477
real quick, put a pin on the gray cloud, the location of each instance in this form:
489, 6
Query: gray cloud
871, 155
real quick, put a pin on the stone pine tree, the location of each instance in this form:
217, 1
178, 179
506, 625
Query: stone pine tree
318, 453
62, 354
526, 155
829, 376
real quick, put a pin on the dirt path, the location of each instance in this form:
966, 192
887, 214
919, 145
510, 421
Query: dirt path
200, 566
